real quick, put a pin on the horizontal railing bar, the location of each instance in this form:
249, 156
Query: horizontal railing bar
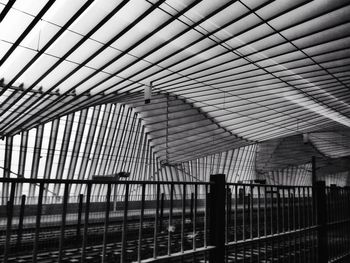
179, 254
339, 258
269, 185
338, 222
75, 181
104, 181
267, 237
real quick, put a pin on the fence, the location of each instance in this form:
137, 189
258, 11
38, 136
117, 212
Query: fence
138, 221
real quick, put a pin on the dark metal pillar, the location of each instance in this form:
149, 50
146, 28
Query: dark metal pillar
321, 208
20, 223
217, 218
161, 213
313, 182
80, 211
313, 170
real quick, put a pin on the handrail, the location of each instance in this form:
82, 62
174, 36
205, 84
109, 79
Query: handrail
95, 181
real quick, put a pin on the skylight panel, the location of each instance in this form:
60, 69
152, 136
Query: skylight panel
175, 58
296, 71
344, 67
133, 68
110, 29
92, 16
62, 11
105, 86
238, 27
14, 23
140, 30
329, 20
269, 54
84, 51
4, 47
19, 58
257, 33
40, 35
104, 57
283, 58
128, 86
324, 36
65, 42
342, 74
5, 95
176, 44
5, 118
159, 38
36, 70
74, 79
303, 13
91, 82
30, 7
121, 20
57, 74
228, 14
293, 64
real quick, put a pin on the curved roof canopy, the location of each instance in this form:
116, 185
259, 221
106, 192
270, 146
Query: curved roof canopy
256, 69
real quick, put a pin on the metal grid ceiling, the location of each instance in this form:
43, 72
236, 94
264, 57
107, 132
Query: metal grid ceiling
259, 69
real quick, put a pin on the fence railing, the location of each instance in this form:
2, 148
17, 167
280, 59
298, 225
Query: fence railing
139, 221
129, 221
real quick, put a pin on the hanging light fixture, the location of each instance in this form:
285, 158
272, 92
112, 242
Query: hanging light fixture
148, 93
306, 138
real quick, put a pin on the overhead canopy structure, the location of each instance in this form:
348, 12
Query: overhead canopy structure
224, 74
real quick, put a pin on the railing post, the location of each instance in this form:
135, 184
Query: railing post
9, 214
80, 211
321, 216
161, 213
217, 218
192, 203
20, 222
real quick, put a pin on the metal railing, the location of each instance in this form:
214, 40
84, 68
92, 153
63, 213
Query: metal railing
268, 223
337, 222
130, 221
139, 221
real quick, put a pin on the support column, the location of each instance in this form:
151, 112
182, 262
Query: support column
321, 215
313, 184
217, 218
313, 171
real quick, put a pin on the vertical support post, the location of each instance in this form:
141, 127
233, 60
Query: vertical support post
63, 222
258, 222
9, 214
125, 224
20, 223
86, 222
194, 217
7, 168
106, 223
183, 216
313, 203
191, 209
321, 208
228, 213
313, 182
217, 218
170, 227
206, 216
313, 170
37, 224
161, 213
80, 211
156, 225
141, 222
